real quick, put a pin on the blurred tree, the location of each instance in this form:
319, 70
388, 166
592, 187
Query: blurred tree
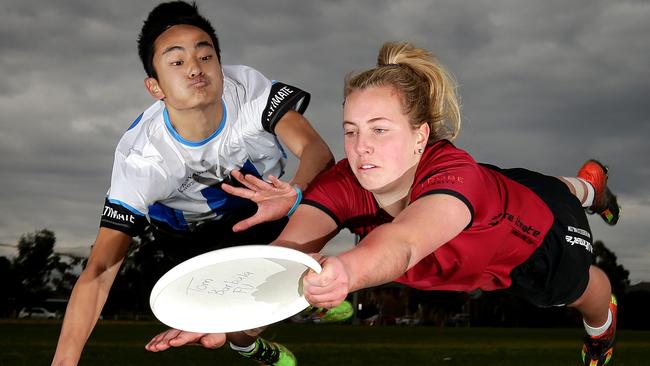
606, 260
140, 271
9, 288
65, 275
34, 266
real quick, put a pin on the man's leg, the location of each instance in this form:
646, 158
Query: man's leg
250, 344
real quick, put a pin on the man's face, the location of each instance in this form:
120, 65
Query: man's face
189, 73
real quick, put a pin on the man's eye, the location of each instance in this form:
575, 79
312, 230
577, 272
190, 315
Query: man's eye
380, 131
349, 133
176, 63
206, 58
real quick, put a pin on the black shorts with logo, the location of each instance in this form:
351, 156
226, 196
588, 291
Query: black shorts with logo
557, 272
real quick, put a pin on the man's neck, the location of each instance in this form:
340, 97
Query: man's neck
196, 124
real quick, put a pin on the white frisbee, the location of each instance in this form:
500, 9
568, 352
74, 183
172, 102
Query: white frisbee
232, 289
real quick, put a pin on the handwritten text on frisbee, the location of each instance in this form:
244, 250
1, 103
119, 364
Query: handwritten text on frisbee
235, 284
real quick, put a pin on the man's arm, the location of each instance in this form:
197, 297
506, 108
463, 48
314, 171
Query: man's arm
89, 294
306, 144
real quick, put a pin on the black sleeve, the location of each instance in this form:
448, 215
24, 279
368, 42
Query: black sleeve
120, 218
282, 98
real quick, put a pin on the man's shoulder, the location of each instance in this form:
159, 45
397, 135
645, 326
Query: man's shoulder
243, 75
152, 113
142, 129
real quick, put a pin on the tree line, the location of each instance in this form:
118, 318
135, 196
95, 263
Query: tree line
38, 275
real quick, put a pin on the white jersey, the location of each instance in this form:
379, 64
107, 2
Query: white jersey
161, 176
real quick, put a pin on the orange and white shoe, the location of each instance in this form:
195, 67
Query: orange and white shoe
605, 203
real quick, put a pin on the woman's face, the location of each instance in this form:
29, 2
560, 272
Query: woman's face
380, 144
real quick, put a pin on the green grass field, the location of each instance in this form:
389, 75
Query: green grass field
32, 343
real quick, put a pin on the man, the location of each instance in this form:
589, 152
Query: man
208, 121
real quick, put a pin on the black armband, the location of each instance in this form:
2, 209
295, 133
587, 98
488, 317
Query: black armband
120, 218
282, 98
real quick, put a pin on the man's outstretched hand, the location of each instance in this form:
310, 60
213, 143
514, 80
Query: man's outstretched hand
274, 199
178, 338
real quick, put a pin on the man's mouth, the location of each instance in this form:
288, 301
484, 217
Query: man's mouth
199, 82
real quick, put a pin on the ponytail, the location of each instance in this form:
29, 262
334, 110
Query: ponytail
427, 90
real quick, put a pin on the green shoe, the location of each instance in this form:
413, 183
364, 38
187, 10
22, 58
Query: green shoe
271, 354
598, 351
337, 314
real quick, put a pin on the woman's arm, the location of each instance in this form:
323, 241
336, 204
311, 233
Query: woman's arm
389, 250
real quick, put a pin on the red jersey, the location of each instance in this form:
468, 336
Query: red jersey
508, 222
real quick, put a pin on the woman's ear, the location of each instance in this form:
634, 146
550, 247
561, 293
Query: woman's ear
423, 135
154, 88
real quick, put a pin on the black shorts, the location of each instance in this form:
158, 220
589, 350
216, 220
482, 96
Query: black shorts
557, 272
176, 247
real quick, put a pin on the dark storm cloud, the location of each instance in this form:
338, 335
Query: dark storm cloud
545, 85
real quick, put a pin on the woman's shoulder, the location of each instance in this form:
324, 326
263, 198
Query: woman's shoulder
444, 154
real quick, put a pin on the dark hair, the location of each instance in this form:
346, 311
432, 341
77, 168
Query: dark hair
165, 16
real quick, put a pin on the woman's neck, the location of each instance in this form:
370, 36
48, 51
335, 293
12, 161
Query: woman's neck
395, 199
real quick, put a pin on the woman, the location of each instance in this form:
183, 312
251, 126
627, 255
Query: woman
432, 218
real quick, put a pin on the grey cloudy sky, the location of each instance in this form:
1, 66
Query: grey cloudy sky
545, 85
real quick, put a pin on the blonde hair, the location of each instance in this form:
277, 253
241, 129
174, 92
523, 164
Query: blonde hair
427, 89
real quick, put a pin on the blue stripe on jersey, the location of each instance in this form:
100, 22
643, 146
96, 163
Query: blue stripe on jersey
183, 141
220, 202
168, 215
125, 205
249, 168
135, 123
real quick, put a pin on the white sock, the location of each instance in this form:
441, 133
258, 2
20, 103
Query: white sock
595, 332
584, 191
246, 349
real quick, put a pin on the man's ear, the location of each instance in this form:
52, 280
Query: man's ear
154, 88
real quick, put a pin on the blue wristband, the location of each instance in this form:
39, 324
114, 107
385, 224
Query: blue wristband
295, 204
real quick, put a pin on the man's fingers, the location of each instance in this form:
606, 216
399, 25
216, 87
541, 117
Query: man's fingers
161, 341
213, 340
241, 178
238, 191
279, 183
245, 224
184, 338
257, 183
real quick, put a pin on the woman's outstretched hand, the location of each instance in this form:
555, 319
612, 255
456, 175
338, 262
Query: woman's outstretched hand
328, 288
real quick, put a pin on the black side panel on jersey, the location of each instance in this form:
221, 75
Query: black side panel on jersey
120, 218
282, 98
